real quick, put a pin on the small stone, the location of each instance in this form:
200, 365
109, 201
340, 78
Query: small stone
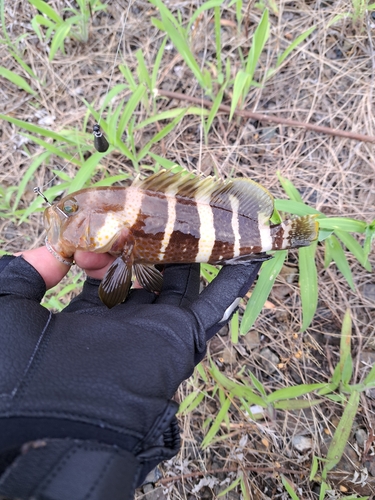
252, 340
155, 494
269, 360
361, 437
369, 291
229, 355
301, 443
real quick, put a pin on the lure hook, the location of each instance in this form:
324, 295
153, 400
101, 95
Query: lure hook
39, 192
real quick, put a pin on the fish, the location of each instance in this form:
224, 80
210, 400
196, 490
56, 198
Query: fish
170, 218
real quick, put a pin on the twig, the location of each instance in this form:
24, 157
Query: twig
259, 470
269, 118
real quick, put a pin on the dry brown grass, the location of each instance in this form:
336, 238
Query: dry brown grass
328, 81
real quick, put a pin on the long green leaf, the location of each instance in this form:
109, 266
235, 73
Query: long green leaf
342, 433
59, 39
289, 488
341, 262
293, 392
157, 63
289, 188
239, 84
129, 109
260, 38
266, 280
206, 6
35, 129
172, 113
215, 427
296, 208
85, 172
353, 246
294, 44
27, 176
308, 282
47, 10
16, 79
343, 224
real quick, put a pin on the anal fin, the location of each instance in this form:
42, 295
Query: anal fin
115, 285
148, 277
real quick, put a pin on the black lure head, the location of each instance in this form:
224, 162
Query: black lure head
100, 142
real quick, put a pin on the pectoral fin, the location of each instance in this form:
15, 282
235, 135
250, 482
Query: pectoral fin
148, 277
115, 285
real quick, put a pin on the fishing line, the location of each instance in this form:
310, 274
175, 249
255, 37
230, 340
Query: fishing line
100, 142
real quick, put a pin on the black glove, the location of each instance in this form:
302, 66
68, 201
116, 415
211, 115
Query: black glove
89, 389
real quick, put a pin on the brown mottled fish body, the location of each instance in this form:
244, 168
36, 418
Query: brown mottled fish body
171, 218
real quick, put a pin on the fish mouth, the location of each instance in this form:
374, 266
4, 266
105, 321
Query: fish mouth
52, 224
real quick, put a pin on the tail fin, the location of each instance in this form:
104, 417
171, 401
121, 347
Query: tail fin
294, 233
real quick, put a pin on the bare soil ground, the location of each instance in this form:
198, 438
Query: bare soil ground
329, 81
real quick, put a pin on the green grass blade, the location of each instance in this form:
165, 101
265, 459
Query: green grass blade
181, 45
369, 381
268, 274
109, 181
27, 68
85, 172
258, 385
355, 248
328, 257
163, 162
234, 328
128, 75
157, 62
129, 109
47, 10
230, 487
160, 135
115, 91
56, 150
206, 6
59, 39
346, 362
172, 113
370, 235
260, 38
289, 188
191, 401
27, 176
289, 486
343, 224
296, 404
308, 282
341, 262
16, 80
215, 427
296, 208
213, 112
143, 76
218, 43
294, 44
240, 83
167, 14
342, 433
293, 392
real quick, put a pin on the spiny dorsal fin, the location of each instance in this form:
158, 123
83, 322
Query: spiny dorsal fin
253, 199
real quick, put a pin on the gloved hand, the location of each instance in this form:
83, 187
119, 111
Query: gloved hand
90, 388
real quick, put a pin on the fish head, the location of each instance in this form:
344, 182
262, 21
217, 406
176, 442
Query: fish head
82, 221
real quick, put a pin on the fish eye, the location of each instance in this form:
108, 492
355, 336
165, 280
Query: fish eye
70, 206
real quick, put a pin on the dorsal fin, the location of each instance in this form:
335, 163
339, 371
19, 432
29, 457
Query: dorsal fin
253, 199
